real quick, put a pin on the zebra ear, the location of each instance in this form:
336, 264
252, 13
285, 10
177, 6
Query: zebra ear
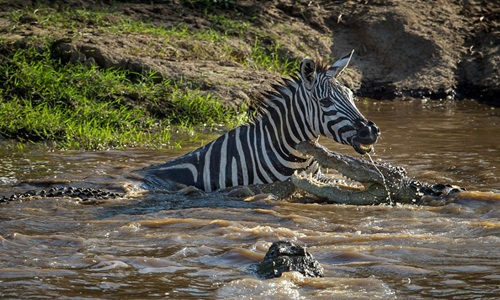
339, 66
308, 72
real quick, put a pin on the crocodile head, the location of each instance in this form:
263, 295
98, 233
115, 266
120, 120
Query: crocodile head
376, 182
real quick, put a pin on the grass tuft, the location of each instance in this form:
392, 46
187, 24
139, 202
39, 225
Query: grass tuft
84, 107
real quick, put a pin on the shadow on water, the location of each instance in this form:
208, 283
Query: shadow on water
155, 202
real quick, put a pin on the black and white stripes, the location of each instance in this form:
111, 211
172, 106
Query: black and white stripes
264, 151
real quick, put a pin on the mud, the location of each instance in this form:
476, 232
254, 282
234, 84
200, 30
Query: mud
421, 49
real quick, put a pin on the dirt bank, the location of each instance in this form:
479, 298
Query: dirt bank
434, 49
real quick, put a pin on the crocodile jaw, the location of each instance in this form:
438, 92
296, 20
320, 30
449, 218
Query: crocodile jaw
345, 183
339, 193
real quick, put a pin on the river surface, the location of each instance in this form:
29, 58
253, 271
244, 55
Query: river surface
192, 247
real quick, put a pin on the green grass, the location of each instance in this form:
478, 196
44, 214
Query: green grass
204, 43
84, 107
272, 59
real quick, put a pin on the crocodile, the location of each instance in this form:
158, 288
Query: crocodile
380, 182
85, 195
284, 256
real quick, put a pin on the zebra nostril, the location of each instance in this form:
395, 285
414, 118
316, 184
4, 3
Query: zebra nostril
364, 132
368, 132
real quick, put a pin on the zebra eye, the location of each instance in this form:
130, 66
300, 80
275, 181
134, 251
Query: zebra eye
325, 102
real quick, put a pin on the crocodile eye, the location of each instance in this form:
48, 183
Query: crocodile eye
325, 102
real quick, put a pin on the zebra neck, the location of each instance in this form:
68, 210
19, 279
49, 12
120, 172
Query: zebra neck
284, 125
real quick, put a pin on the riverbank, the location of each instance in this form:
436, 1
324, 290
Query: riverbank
140, 69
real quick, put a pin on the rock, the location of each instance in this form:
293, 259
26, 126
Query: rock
284, 256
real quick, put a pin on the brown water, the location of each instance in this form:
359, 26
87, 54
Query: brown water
182, 247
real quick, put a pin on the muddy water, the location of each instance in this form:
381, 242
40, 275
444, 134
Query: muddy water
191, 247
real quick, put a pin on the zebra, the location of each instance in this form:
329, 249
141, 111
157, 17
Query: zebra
299, 109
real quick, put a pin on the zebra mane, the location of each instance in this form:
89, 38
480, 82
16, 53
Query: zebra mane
279, 90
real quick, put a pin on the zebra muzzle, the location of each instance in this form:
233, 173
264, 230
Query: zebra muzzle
367, 135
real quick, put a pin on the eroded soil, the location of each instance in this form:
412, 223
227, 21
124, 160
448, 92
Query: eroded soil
434, 49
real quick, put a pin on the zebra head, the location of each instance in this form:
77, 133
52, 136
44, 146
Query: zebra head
332, 110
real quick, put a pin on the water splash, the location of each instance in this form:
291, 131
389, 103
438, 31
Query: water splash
384, 182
